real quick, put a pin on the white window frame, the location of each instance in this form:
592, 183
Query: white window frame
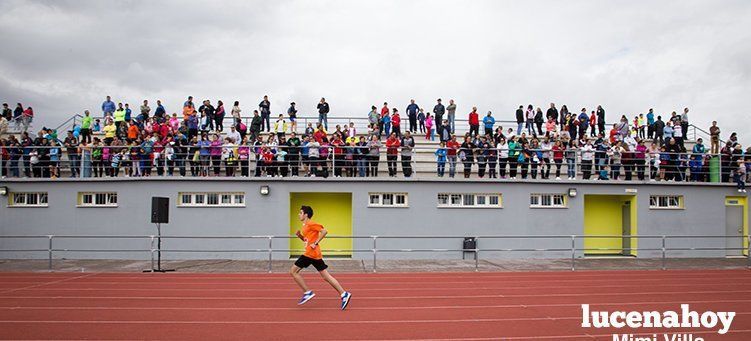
468, 200
548, 200
663, 202
41, 199
381, 199
236, 199
106, 196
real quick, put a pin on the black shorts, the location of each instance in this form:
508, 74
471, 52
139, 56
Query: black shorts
303, 262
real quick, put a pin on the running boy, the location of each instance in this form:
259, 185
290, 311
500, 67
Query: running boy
312, 234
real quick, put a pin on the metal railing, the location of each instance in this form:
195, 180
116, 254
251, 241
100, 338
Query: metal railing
572, 245
358, 161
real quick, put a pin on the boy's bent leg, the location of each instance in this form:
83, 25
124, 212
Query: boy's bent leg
295, 272
332, 281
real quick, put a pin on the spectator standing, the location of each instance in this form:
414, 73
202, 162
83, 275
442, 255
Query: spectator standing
519, 119
373, 117
650, 124
440, 154
451, 109
292, 113
438, 111
396, 123
412, 110
474, 123
323, 113
588, 153
740, 176
160, 112
86, 127
421, 120
452, 148
427, 126
392, 151
280, 126
28, 117
467, 155
539, 120
236, 111
256, 125
684, 122
219, 117
293, 153
714, 133
601, 119
108, 107
374, 155
488, 121
552, 113
145, 110
408, 145
18, 115
659, 130
265, 109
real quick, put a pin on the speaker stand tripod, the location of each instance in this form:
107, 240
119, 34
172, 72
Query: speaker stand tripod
158, 252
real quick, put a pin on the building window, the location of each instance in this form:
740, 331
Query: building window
672, 202
387, 200
471, 200
97, 199
538, 200
27, 199
211, 199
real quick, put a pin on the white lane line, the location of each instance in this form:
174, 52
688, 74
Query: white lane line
500, 306
610, 294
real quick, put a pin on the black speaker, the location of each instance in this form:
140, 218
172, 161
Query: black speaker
159, 210
470, 243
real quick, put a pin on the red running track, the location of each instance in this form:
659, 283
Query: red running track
392, 306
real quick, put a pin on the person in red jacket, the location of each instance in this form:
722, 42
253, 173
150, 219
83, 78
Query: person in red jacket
392, 151
474, 122
452, 147
339, 154
384, 112
396, 123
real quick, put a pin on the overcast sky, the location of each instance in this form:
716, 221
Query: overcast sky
62, 57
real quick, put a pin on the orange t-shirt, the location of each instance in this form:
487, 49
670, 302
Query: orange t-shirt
310, 232
132, 132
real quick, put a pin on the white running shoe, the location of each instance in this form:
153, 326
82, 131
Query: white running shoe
306, 297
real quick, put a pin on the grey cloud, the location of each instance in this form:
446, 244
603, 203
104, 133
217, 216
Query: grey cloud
65, 56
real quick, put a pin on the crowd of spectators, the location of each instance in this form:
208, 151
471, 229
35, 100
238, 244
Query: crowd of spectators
196, 143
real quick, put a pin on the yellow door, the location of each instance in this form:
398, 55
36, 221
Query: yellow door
333, 211
604, 216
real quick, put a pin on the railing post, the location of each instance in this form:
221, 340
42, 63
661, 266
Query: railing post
375, 252
152, 252
271, 251
49, 253
664, 267
719, 163
748, 250
477, 255
80, 161
573, 253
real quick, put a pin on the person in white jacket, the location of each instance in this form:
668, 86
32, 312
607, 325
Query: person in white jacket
587, 154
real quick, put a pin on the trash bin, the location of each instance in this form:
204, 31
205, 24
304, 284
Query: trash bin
714, 169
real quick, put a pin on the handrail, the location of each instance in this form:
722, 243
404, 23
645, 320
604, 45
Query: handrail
573, 247
72, 118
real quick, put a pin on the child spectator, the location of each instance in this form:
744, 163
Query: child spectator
421, 117
427, 126
740, 176
440, 154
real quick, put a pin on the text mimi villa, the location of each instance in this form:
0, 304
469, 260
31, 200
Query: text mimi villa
639, 320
